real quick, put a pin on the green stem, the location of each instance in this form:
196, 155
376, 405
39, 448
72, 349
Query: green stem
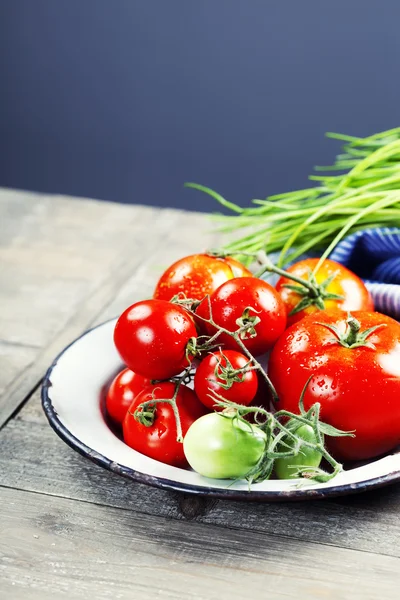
236, 336
258, 367
272, 421
146, 417
353, 330
269, 267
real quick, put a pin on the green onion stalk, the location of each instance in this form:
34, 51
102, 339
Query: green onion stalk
366, 194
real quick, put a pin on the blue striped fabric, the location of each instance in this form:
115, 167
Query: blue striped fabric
374, 255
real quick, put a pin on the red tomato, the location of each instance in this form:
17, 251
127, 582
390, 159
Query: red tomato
151, 337
228, 304
210, 377
358, 387
159, 441
122, 391
344, 283
198, 275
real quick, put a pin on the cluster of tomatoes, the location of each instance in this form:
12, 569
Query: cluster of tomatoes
211, 321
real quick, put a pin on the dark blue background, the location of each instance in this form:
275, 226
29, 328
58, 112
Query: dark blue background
126, 99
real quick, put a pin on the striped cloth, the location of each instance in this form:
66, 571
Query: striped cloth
374, 255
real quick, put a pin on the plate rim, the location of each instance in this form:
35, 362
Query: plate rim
296, 494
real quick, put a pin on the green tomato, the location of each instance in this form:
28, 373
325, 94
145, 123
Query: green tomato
285, 468
221, 447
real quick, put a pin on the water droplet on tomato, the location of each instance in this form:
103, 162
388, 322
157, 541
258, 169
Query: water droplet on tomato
161, 429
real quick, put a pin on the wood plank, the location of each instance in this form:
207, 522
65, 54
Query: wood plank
32, 411
61, 253
69, 263
33, 458
66, 547
193, 233
16, 209
13, 358
61, 268
35, 307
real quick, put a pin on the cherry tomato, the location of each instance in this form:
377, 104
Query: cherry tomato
159, 440
357, 383
219, 447
286, 466
346, 284
212, 373
198, 275
122, 391
259, 300
152, 337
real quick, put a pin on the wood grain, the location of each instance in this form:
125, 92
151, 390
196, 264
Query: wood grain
62, 269
14, 358
33, 458
192, 233
71, 529
66, 547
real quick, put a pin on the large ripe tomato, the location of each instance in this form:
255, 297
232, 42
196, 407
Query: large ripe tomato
212, 373
159, 440
220, 447
152, 336
198, 275
358, 387
344, 283
122, 391
229, 303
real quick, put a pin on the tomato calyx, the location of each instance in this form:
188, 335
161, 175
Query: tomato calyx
192, 349
227, 375
247, 323
353, 337
313, 293
146, 412
182, 300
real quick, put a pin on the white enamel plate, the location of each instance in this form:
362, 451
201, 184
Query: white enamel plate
73, 400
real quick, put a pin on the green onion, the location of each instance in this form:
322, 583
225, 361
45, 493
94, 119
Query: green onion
366, 195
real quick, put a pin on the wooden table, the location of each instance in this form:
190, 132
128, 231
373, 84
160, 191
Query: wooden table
71, 529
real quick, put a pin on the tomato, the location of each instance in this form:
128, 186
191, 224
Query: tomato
122, 391
159, 440
198, 275
152, 337
358, 387
211, 376
355, 295
286, 467
228, 304
220, 447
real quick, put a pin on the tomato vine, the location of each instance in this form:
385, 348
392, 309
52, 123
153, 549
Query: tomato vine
277, 426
